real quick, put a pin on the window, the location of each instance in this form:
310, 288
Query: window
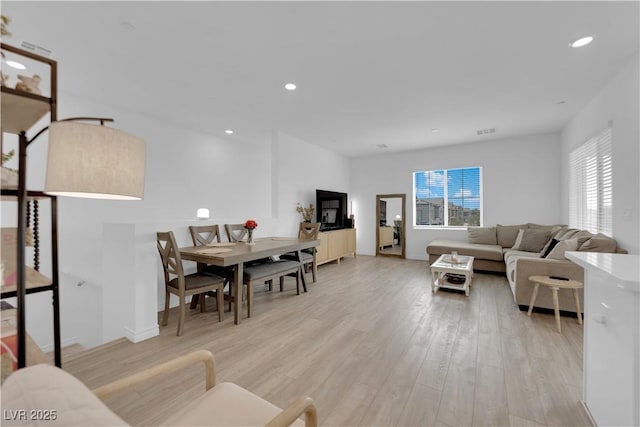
590, 185
448, 197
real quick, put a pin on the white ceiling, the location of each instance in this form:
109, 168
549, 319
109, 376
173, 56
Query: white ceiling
368, 73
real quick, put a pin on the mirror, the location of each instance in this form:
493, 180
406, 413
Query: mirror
390, 225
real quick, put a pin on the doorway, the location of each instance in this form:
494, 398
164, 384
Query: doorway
390, 225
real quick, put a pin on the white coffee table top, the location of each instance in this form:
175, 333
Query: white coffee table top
461, 263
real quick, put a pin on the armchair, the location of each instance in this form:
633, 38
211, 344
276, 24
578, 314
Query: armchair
71, 403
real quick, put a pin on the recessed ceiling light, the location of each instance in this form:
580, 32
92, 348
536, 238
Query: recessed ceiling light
290, 86
486, 131
435, 130
228, 131
15, 65
127, 26
582, 41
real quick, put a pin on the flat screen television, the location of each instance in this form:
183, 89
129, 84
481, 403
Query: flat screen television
331, 209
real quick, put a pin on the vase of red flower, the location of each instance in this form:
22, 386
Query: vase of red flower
250, 225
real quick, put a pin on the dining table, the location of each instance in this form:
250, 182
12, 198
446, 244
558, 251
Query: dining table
235, 254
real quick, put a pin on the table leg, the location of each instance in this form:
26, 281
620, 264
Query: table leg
304, 282
434, 277
237, 292
556, 308
578, 309
467, 284
534, 294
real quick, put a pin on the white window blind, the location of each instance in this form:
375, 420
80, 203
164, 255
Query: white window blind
590, 185
448, 197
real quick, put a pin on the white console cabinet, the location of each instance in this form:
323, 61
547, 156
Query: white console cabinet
611, 362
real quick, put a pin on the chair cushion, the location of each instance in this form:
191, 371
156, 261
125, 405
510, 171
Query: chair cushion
268, 269
227, 405
45, 387
197, 280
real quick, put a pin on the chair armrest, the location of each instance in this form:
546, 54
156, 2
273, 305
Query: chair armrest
303, 405
126, 383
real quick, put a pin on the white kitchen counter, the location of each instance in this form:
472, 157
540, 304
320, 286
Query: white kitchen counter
624, 269
611, 362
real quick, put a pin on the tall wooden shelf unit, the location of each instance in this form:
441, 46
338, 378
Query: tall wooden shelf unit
20, 112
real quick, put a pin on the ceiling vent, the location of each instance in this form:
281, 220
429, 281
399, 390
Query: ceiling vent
382, 146
36, 49
486, 131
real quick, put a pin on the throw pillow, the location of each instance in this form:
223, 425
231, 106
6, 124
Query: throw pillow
562, 247
550, 228
518, 241
482, 235
599, 243
549, 247
534, 240
507, 234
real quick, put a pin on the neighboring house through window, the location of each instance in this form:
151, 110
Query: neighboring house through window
448, 197
591, 185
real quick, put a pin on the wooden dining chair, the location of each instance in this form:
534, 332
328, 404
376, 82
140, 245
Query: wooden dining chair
203, 235
235, 232
183, 285
307, 231
264, 270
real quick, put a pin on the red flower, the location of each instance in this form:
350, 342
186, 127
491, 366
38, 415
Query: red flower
250, 224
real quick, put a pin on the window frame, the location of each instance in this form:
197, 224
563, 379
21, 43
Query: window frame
446, 225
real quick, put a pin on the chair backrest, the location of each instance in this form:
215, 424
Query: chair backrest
309, 230
171, 261
235, 232
203, 235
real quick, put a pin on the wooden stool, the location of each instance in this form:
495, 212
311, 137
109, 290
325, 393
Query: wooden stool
554, 285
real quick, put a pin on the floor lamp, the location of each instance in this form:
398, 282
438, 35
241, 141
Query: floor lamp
84, 160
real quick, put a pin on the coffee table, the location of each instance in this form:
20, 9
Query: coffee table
461, 267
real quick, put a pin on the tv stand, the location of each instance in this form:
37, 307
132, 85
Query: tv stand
336, 244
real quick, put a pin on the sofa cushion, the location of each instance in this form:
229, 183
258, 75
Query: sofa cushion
533, 240
510, 258
564, 245
507, 234
442, 246
548, 247
482, 235
599, 243
550, 228
570, 233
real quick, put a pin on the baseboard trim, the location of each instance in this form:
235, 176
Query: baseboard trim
137, 336
64, 343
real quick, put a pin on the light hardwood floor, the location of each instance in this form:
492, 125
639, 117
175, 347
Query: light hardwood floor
372, 346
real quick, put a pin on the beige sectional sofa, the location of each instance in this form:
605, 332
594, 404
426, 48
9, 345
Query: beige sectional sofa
497, 249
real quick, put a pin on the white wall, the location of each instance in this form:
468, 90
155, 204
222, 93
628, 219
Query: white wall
301, 168
617, 102
236, 179
520, 184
